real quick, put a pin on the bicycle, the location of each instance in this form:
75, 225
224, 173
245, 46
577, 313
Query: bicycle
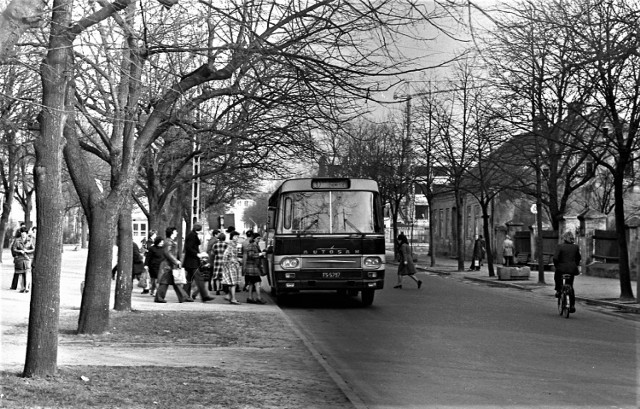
564, 306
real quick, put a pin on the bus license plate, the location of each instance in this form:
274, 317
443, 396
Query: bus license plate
331, 275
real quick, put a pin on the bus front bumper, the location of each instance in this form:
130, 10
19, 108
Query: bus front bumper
327, 285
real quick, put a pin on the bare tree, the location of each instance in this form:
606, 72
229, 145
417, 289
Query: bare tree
322, 43
570, 71
605, 38
377, 151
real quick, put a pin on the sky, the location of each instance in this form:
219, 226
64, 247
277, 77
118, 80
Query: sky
437, 50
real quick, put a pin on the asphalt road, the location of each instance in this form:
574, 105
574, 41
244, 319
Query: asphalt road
463, 344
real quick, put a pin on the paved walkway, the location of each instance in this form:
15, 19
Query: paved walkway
594, 290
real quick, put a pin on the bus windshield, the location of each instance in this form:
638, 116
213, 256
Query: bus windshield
328, 212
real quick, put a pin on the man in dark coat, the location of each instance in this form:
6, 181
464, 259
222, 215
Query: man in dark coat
566, 260
191, 263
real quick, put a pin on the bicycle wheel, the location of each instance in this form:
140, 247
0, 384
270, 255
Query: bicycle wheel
560, 308
565, 304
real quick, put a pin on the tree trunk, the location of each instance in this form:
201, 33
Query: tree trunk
94, 310
459, 239
626, 291
84, 231
4, 218
42, 341
487, 239
124, 281
432, 248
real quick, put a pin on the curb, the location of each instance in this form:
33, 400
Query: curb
592, 301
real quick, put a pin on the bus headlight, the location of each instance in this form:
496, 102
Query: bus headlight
372, 262
289, 263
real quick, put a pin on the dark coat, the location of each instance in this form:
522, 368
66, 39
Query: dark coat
478, 250
408, 269
22, 251
191, 250
155, 255
567, 259
170, 253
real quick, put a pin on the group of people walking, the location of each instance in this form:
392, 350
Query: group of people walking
218, 269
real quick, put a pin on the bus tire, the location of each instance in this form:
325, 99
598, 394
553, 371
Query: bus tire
367, 297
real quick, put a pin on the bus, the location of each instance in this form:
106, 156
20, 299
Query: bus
326, 234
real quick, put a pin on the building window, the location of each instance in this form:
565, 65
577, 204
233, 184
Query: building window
469, 222
140, 229
440, 223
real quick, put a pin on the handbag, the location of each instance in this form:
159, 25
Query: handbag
179, 276
143, 282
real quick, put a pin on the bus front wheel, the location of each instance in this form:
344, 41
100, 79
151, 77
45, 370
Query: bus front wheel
367, 297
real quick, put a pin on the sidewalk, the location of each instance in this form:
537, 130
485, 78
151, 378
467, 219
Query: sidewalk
589, 289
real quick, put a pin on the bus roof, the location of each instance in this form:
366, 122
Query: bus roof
309, 184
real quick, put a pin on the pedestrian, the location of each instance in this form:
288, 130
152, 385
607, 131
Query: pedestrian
406, 267
16, 276
22, 249
32, 236
231, 267
508, 251
155, 256
165, 273
478, 254
146, 243
244, 247
214, 281
252, 270
192, 263
216, 252
566, 259
137, 266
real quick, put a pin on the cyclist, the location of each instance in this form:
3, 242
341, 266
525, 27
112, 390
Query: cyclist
566, 260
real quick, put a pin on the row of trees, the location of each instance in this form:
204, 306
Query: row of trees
126, 93
547, 106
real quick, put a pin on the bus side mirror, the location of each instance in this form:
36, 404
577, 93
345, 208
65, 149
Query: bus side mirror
271, 218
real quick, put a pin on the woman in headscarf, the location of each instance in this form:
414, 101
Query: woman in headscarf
405, 266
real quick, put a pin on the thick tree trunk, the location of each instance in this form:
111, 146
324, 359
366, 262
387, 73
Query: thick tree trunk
124, 283
42, 341
94, 310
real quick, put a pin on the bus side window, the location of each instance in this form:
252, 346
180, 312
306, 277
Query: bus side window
287, 213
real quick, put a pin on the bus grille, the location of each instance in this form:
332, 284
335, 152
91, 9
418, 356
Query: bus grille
331, 262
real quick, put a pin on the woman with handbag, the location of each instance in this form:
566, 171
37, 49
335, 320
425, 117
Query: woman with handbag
406, 267
167, 266
231, 267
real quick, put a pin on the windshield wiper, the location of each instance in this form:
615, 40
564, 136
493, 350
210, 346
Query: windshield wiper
313, 223
352, 226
